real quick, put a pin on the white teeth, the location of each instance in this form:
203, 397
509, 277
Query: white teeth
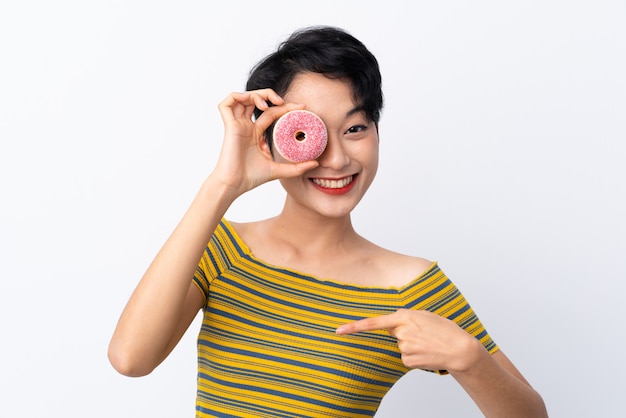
333, 184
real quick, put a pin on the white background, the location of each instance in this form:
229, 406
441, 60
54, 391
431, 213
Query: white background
502, 157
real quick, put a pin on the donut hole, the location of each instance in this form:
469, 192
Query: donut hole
300, 136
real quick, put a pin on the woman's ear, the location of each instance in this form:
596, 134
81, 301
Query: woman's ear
265, 147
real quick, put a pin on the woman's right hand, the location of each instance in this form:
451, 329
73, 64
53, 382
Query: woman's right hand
245, 160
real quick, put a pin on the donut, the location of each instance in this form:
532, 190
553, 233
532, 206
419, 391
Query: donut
300, 135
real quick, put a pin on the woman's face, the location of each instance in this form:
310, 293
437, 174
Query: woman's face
348, 165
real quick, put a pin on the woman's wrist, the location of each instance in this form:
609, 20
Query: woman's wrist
471, 358
214, 190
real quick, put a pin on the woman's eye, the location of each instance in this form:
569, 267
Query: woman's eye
356, 128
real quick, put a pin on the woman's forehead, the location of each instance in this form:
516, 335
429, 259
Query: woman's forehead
317, 89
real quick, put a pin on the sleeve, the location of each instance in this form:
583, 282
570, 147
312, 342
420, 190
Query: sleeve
211, 264
436, 293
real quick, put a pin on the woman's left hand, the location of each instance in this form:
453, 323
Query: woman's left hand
426, 340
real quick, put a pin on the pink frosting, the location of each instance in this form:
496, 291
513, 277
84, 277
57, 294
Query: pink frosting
300, 135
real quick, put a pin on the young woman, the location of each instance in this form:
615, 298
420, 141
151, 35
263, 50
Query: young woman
302, 315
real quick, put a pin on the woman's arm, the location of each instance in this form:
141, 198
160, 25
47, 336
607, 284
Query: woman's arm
429, 341
166, 300
498, 388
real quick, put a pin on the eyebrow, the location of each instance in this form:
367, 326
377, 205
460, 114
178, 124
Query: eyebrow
354, 110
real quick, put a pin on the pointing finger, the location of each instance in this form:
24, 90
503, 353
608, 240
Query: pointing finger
384, 322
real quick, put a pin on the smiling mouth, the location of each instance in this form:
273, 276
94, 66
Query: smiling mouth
334, 184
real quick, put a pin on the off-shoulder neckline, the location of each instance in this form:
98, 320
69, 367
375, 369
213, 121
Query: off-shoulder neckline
247, 252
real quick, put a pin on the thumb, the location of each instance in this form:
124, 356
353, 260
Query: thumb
287, 170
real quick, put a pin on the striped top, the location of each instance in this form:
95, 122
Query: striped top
268, 347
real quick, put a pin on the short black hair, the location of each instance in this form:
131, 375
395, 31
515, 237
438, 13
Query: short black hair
326, 50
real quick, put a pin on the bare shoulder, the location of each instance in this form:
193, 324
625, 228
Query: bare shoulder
253, 234
246, 229
415, 264
399, 268
408, 267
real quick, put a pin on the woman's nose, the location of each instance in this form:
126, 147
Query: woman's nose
334, 156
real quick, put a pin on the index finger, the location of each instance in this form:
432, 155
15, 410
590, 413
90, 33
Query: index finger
384, 322
272, 114
262, 98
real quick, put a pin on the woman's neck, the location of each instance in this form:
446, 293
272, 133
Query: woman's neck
310, 231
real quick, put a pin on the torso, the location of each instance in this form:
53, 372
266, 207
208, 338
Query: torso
268, 343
